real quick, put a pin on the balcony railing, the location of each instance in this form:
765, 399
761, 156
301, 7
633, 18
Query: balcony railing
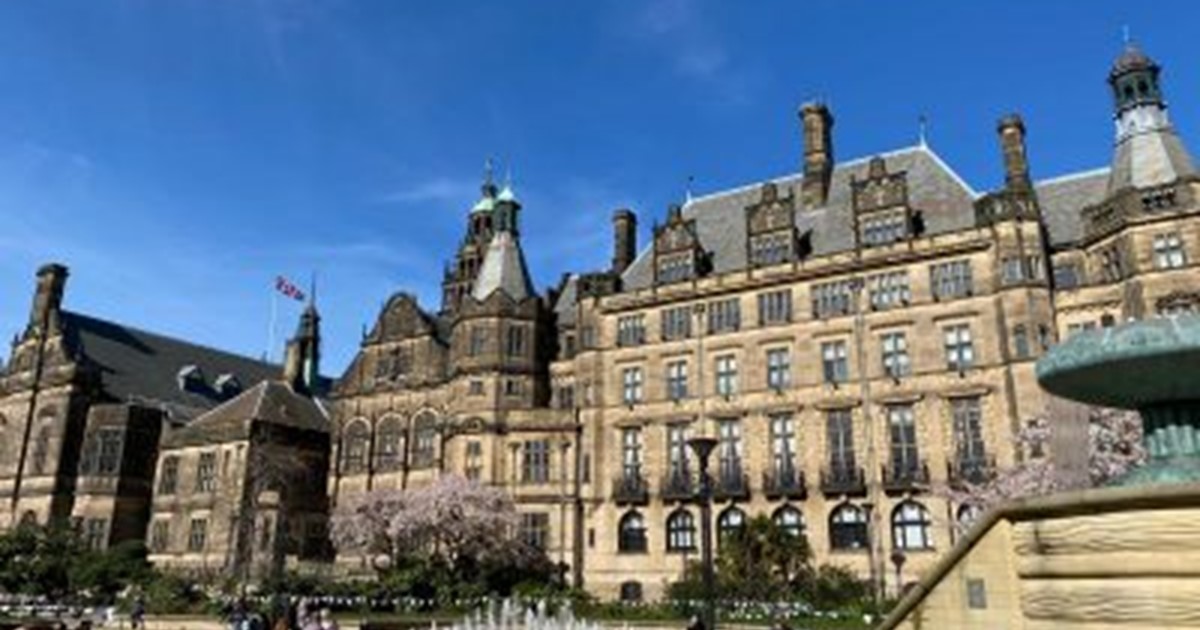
975, 470
679, 485
843, 479
905, 477
631, 488
730, 483
785, 482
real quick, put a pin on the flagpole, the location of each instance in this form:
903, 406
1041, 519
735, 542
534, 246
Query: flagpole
271, 325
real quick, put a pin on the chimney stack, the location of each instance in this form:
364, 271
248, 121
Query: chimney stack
1012, 144
47, 299
818, 153
624, 240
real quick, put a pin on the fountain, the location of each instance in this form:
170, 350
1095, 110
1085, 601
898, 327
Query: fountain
510, 615
1150, 366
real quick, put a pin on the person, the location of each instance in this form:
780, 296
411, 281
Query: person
137, 617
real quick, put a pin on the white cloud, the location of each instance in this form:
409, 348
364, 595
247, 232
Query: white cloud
436, 189
690, 41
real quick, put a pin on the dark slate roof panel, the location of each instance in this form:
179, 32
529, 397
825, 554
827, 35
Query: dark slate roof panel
270, 401
564, 308
1063, 198
136, 365
944, 199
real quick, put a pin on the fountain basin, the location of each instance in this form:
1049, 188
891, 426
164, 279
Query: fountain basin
1152, 366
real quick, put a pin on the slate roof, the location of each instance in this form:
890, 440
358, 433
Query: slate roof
503, 269
136, 365
564, 308
1149, 158
944, 199
1063, 198
270, 401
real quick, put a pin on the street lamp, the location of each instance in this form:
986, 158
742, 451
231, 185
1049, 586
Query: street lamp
898, 559
703, 447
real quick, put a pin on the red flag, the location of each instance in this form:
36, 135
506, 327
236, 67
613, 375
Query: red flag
287, 288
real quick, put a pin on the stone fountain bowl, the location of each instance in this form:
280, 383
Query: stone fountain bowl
1131, 366
1152, 366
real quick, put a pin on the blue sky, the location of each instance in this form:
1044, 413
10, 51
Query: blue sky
179, 154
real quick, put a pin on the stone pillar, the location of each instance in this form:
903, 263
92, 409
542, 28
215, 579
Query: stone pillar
817, 124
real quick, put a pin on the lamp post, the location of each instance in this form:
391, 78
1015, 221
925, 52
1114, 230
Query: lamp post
898, 559
703, 447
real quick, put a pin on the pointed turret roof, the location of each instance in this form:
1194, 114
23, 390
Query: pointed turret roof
503, 269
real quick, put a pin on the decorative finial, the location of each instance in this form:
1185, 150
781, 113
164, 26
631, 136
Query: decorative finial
487, 171
687, 191
1125, 35
922, 124
507, 174
312, 289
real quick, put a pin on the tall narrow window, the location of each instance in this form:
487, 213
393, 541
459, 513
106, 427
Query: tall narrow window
677, 380
160, 536
895, 355
425, 447
839, 432
729, 449
902, 430
388, 444
95, 533
474, 463
968, 433
727, 375
677, 450
960, 353
783, 445
730, 523
206, 473
779, 368
355, 445
790, 520
888, 290
535, 461
514, 345
477, 342
168, 475
108, 447
197, 534
631, 452
834, 363
831, 299
631, 385
1021, 341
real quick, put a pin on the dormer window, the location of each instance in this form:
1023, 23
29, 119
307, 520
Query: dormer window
881, 206
771, 228
228, 385
678, 255
190, 379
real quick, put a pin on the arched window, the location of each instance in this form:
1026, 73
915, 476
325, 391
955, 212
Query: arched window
790, 520
355, 446
632, 535
425, 441
388, 440
730, 522
911, 527
847, 528
681, 531
967, 514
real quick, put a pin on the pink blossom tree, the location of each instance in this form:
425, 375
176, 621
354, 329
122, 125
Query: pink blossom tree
451, 519
1114, 447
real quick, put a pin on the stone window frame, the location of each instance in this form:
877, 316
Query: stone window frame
774, 307
951, 279
790, 519
904, 449
848, 528
631, 330
168, 476
160, 535
835, 361
197, 534
730, 522
389, 443
206, 472
783, 440
893, 354
889, 290
681, 531
631, 533
633, 385
725, 371
958, 344
534, 529
535, 461
724, 316
912, 527
1170, 251
779, 367
675, 323
677, 379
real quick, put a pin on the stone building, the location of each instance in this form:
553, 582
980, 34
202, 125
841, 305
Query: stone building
855, 336
242, 487
83, 405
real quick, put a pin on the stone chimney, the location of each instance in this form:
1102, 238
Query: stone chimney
624, 240
818, 153
47, 299
1012, 144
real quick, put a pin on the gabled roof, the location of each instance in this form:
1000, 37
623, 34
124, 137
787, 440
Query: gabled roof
564, 308
504, 270
140, 366
270, 401
944, 199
